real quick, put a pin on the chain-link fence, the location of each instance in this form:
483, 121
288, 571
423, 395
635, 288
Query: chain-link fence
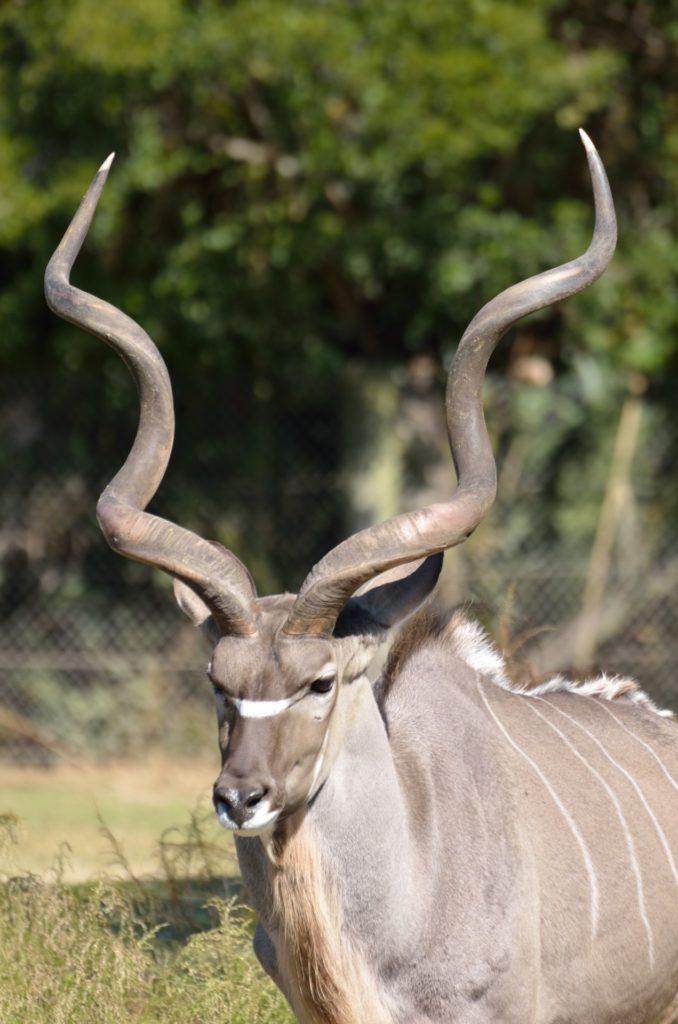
575, 569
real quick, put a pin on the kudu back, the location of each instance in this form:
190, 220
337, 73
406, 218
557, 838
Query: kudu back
440, 846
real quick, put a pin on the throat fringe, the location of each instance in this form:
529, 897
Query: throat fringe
326, 975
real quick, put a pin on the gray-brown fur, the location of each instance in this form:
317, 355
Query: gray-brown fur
497, 905
327, 979
424, 627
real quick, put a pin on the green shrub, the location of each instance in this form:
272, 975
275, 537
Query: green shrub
103, 954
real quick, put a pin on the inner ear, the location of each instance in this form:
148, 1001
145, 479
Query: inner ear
196, 609
387, 604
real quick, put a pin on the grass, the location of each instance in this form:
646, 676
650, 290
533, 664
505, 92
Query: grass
172, 947
63, 808
109, 913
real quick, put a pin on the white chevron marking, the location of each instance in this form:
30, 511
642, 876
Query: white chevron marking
586, 856
635, 867
642, 742
641, 796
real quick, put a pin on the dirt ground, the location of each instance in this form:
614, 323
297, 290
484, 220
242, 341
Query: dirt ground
61, 811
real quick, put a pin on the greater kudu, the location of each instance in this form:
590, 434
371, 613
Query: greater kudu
441, 846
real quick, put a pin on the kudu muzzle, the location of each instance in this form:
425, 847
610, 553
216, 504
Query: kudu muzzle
245, 794
237, 805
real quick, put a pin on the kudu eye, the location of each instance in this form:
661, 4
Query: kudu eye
219, 692
322, 685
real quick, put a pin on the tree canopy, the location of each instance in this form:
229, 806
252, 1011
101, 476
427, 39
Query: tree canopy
298, 184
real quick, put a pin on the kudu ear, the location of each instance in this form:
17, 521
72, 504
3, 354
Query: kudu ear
387, 603
196, 609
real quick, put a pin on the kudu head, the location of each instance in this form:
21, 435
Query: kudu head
288, 670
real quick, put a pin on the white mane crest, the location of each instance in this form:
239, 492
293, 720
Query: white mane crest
603, 686
473, 646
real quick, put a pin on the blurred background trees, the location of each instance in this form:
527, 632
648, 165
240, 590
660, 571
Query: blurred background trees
309, 202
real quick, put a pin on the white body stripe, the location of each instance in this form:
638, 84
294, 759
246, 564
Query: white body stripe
586, 856
641, 796
642, 743
262, 708
635, 867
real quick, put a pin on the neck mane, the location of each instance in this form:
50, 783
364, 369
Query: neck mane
327, 976
318, 880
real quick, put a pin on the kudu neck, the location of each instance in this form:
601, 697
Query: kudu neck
360, 819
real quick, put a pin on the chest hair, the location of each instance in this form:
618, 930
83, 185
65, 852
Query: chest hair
326, 974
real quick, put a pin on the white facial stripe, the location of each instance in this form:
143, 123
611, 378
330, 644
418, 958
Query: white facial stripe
262, 708
270, 708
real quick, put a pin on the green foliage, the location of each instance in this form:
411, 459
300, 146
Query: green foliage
285, 169
113, 716
216, 987
104, 953
299, 184
85, 956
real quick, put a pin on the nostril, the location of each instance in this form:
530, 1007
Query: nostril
253, 797
238, 805
226, 802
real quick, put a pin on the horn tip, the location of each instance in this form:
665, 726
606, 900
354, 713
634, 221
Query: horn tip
106, 165
590, 148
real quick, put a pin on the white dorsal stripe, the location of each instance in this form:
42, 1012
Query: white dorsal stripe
262, 708
586, 856
635, 867
642, 743
641, 796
